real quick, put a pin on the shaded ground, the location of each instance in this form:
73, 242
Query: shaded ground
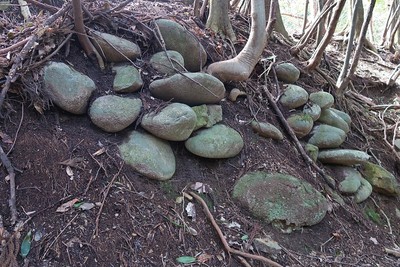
142, 225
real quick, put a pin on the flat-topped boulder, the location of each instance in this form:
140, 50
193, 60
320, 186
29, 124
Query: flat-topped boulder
217, 142
67, 88
189, 88
280, 199
346, 157
114, 113
148, 155
179, 39
175, 122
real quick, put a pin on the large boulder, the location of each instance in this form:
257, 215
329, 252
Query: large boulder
326, 136
67, 88
293, 96
175, 122
280, 199
161, 61
346, 157
323, 99
114, 113
330, 117
301, 124
287, 72
217, 142
148, 155
181, 40
113, 48
381, 180
189, 88
127, 79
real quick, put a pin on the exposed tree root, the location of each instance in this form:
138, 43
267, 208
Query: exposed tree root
225, 243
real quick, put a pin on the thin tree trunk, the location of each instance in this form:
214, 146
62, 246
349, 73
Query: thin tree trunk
393, 34
317, 55
218, 19
394, 8
305, 18
357, 53
321, 27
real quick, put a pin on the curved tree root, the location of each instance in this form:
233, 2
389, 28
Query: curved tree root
225, 243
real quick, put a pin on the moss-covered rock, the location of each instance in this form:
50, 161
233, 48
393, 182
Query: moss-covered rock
381, 180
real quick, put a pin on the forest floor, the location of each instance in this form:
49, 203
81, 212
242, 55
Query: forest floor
137, 221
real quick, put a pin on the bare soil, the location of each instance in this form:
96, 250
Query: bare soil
141, 224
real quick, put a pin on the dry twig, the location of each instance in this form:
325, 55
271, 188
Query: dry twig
225, 243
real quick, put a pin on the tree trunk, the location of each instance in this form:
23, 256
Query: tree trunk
279, 25
317, 55
305, 18
218, 19
240, 67
321, 27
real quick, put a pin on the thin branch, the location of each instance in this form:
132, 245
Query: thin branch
11, 177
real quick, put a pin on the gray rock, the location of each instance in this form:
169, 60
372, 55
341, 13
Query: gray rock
217, 142
350, 179
114, 113
113, 48
343, 115
312, 151
293, 97
179, 39
326, 136
190, 88
267, 130
267, 245
323, 99
346, 157
280, 199
363, 192
397, 144
381, 180
287, 72
175, 122
331, 118
301, 124
313, 110
67, 88
161, 61
207, 115
127, 79
148, 155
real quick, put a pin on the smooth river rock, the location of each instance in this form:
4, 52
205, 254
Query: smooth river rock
161, 61
217, 142
280, 199
287, 72
349, 177
330, 117
381, 180
313, 110
267, 130
323, 99
175, 122
326, 136
114, 113
363, 192
127, 79
67, 88
179, 39
148, 155
346, 157
301, 124
293, 96
189, 88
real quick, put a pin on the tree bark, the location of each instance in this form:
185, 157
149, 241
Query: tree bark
279, 25
317, 55
305, 18
218, 19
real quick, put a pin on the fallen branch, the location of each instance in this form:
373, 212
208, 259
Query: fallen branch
225, 243
50, 8
11, 178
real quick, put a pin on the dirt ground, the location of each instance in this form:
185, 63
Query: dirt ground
137, 222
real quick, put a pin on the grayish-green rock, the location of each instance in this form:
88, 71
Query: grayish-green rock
161, 61
323, 99
179, 39
301, 124
148, 155
207, 115
127, 79
312, 151
326, 136
350, 178
346, 157
363, 192
331, 118
114, 113
280, 199
217, 142
313, 110
113, 48
67, 88
293, 97
381, 180
189, 88
267, 130
346, 117
175, 122
267, 245
287, 72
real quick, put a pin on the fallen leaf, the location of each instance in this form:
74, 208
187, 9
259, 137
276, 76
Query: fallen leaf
87, 206
74, 162
69, 171
373, 239
186, 259
192, 231
203, 258
99, 152
26, 245
191, 211
67, 205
